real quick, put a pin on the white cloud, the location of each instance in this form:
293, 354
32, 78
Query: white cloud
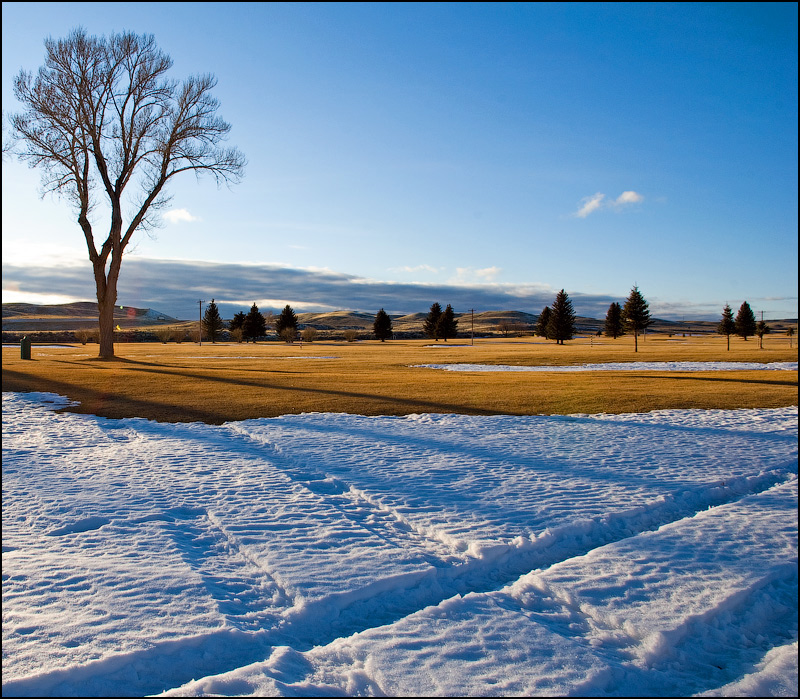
595, 202
418, 268
468, 275
15, 295
488, 273
629, 197
590, 204
19, 251
180, 215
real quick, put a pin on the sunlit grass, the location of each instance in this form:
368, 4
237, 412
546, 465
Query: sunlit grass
219, 382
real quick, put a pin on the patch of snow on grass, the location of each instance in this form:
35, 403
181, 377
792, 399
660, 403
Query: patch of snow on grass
623, 366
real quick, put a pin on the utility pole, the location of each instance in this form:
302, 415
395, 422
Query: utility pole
472, 327
200, 303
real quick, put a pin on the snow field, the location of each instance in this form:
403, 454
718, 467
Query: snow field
426, 555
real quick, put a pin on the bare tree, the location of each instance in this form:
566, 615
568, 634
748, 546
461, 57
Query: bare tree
101, 116
309, 334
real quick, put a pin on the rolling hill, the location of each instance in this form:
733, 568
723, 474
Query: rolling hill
27, 317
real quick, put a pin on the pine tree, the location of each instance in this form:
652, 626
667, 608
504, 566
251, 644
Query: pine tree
542, 321
745, 321
447, 325
286, 323
431, 324
727, 326
614, 326
561, 325
382, 327
212, 322
254, 324
636, 314
237, 322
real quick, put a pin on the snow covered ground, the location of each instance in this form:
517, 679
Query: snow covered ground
436, 555
624, 366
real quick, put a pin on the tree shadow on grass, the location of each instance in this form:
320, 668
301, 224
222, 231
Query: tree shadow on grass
726, 379
115, 405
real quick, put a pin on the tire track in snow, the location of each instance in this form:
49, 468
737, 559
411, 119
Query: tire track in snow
500, 565
470, 567
713, 594
487, 569
357, 505
246, 595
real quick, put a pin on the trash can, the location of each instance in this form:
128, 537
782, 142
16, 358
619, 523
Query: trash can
25, 348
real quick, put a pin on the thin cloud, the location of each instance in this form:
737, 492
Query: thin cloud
470, 275
590, 204
598, 201
419, 268
180, 216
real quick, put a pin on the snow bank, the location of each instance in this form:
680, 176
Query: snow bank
428, 555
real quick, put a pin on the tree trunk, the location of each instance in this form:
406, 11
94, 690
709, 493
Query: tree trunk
106, 319
106, 302
635, 340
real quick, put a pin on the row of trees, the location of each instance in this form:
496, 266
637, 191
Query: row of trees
743, 325
440, 324
557, 322
249, 326
252, 325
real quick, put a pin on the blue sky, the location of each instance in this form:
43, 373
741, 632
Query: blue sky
484, 155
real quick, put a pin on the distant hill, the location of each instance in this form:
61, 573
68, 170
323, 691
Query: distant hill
28, 317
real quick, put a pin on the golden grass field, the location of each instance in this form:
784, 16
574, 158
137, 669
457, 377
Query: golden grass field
215, 383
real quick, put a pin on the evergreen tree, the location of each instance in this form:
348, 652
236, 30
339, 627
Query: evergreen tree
636, 314
382, 327
542, 321
614, 326
727, 325
745, 321
286, 323
561, 325
212, 322
431, 324
237, 322
447, 325
254, 325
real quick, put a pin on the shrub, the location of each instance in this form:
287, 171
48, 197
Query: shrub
237, 334
85, 335
309, 334
351, 335
288, 334
163, 334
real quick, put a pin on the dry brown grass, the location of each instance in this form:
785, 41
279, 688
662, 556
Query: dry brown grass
215, 383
